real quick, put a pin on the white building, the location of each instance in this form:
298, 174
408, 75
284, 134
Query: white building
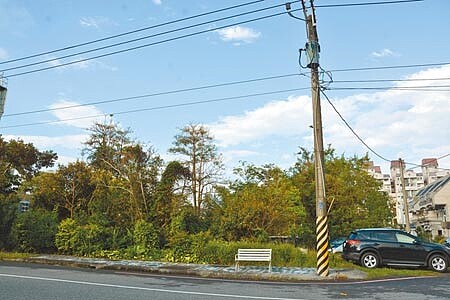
431, 208
392, 183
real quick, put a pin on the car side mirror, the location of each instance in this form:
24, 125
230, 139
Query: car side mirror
417, 242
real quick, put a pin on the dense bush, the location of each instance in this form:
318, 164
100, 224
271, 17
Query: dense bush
202, 248
8, 213
34, 231
84, 240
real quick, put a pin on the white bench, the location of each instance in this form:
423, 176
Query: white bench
253, 255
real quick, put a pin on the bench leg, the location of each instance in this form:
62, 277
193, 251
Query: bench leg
236, 267
270, 267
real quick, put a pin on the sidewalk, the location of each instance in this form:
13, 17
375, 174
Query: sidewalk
207, 271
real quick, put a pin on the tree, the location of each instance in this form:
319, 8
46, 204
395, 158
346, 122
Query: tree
20, 162
358, 201
171, 194
68, 190
263, 201
126, 172
195, 144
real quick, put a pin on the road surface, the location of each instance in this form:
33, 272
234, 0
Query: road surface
33, 281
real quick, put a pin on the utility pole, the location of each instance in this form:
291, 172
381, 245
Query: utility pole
312, 51
405, 199
3, 90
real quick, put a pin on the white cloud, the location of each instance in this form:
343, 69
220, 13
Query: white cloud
3, 53
287, 117
79, 116
157, 2
411, 124
46, 142
384, 53
238, 34
395, 122
96, 22
232, 155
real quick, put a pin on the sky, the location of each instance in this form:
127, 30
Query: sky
260, 122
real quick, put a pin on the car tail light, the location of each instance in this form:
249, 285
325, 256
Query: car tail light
352, 242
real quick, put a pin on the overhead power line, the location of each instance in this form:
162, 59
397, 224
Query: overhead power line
366, 3
149, 44
159, 107
156, 94
423, 88
131, 32
140, 38
390, 67
352, 130
363, 142
390, 80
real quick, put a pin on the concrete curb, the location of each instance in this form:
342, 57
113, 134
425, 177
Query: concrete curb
203, 271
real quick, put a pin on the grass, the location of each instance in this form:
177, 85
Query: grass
337, 262
14, 255
379, 273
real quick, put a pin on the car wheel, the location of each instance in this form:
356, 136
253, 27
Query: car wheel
438, 263
369, 260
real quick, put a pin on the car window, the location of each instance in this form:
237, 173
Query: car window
385, 236
403, 238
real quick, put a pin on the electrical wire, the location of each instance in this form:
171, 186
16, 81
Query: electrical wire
390, 80
362, 141
390, 67
160, 107
156, 94
423, 88
147, 45
131, 32
366, 3
351, 129
139, 39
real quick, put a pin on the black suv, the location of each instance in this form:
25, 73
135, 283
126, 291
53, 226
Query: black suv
385, 246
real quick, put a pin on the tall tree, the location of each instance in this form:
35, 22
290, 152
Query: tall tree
105, 145
127, 171
171, 194
195, 144
68, 190
358, 201
20, 162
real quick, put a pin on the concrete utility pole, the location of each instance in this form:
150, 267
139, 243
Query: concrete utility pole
3, 90
405, 199
312, 50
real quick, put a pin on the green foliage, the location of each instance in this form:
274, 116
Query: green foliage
19, 162
82, 240
145, 238
358, 203
8, 213
202, 248
66, 239
261, 203
34, 231
195, 144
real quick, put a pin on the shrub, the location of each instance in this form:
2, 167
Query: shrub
145, 241
84, 240
34, 231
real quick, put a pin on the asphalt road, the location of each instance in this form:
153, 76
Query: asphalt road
32, 281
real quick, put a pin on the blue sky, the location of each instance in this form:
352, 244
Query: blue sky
411, 124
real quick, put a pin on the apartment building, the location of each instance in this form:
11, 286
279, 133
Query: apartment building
415, 178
